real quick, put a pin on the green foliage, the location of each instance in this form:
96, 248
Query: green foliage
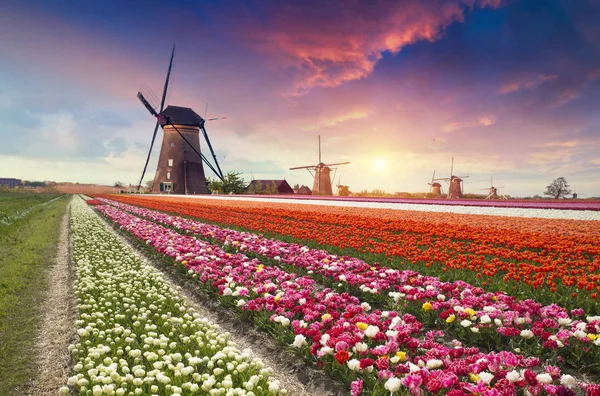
232, 184
559, 188
27, 247
343, 191
34, 184
271, 189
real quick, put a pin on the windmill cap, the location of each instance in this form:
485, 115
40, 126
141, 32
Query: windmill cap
181, 116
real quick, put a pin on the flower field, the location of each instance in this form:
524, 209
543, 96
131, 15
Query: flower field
495, 318
137, 336
375, 328
552, 261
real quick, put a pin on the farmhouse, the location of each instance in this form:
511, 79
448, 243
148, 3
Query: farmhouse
269, 187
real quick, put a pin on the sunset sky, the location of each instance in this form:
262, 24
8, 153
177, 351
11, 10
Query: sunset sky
508, 88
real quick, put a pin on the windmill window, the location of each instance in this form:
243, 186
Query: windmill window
170, 162
172, 145
168, 175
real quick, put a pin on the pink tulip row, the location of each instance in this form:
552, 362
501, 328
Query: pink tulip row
459, 306
383, 349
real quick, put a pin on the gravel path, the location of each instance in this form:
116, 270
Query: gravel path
58, 320
291, 371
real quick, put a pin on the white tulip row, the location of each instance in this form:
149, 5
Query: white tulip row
136, 334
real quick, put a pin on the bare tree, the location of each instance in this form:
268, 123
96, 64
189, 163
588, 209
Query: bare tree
558, 188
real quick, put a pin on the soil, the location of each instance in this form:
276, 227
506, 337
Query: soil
58, 320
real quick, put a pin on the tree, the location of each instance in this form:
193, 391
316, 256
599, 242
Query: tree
559, 188
232, 184
149, 184
254, 188
343, 191
271, 188
118, 184
214, 185
296, 187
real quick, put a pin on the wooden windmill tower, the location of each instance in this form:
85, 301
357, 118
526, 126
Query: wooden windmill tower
179, 168
493, 191
322, 175
455, 183
436, 188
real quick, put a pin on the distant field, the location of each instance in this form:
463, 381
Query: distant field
16, 205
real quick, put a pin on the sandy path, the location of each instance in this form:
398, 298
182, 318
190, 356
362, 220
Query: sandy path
58, 320
292, 372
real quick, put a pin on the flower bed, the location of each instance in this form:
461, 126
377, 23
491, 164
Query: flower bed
137, 336
493, 320
553, 262
379, 350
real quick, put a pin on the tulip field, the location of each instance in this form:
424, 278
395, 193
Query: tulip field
137, 336
384, 302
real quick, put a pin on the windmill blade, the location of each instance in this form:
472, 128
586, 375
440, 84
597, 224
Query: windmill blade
211, 149
337, 163
303, 167
147, 105
162, 105
432, 177
216, 118
202, 157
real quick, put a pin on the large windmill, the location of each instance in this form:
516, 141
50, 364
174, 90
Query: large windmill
322, 175
455, 183
493, 191
179, 168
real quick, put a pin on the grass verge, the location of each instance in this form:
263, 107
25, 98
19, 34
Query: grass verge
27, 249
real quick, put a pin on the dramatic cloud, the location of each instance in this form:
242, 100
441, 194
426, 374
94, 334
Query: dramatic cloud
327, 52
508, 89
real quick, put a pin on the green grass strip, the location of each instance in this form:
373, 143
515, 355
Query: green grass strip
27, 249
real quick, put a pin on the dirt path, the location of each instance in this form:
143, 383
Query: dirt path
58, 320
291, 371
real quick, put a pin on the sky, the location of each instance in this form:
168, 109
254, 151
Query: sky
508, 88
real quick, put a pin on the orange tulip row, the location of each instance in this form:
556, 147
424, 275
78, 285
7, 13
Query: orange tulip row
554, 255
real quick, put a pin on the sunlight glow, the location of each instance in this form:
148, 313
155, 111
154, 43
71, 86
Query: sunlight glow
380, 164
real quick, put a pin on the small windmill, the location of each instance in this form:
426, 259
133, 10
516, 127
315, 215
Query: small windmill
575, 194
322, 174
436, 188
493, 191
455, 183
177, 170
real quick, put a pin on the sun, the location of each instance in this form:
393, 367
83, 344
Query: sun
380, 163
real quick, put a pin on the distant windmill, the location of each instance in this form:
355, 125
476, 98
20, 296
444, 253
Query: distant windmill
322, 175
575, 192
493, 191
177, 170
436, 188
455, 186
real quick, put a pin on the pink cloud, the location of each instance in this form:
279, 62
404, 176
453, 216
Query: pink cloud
327, 53
526, 83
